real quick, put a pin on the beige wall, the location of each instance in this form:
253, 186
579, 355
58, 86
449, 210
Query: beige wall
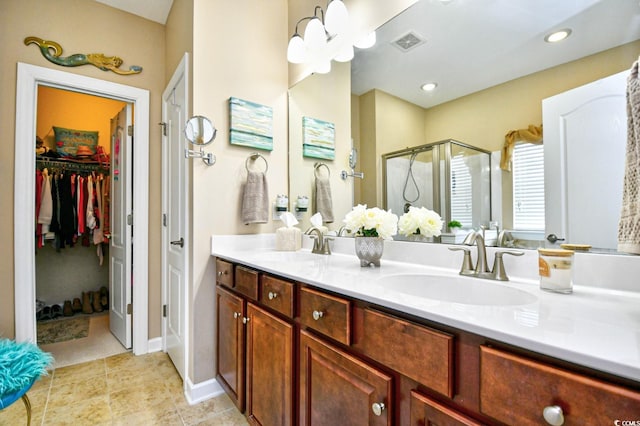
223, 30
80, 27
325, 97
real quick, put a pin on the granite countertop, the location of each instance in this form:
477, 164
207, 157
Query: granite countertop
594, 327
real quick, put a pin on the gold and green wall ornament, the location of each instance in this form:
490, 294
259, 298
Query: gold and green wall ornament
52, 51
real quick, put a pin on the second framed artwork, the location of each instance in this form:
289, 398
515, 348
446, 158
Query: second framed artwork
251, 124
318, 138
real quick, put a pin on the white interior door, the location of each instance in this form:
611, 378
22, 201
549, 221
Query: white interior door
121, 233
585, 132
175, 218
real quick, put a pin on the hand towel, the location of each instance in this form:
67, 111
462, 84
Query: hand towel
629, 226
324, 202
255, 199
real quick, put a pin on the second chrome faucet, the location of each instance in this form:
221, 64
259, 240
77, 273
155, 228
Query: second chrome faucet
481, 269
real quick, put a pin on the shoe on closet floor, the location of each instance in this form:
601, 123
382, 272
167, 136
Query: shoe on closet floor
56, 311
86, 303
77, 306
67, 310
104, 298
97, 306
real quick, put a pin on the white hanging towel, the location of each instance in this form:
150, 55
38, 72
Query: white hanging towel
629, 226
46, 202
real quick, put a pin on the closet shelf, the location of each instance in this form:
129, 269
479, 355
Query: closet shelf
71, 165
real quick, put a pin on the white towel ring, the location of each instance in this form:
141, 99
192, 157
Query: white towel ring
254, 157
317, 166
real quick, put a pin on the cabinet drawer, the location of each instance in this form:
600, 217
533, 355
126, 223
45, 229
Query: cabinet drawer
418, 352
277, 294
427, 411
246, 282
224, 273
327, 314
508, 381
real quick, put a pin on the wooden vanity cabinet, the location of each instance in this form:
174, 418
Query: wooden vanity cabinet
426, 411
255, 354
231, 309
517, 390
337, 388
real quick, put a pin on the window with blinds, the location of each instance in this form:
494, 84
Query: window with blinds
461, 192
528, 187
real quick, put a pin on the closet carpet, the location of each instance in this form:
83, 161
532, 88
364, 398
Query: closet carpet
119, 390
100, 343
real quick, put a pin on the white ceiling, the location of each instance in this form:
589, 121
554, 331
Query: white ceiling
475, 44
154, 10
470, 44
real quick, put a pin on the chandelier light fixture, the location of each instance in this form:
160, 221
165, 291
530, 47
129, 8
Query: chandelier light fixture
323, 29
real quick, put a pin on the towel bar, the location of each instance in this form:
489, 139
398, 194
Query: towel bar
254, 156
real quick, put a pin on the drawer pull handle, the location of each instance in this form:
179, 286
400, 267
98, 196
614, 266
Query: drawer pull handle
378, 408
317, 315
553, 415
220, 273
245, 320
272, 295
237, 315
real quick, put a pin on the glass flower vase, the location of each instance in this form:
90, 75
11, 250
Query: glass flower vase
369, 250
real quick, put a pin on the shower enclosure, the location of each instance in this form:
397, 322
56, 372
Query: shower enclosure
449, 177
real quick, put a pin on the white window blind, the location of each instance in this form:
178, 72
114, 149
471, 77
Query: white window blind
528, 187
461, 192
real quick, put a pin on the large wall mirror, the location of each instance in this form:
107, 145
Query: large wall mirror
492, 68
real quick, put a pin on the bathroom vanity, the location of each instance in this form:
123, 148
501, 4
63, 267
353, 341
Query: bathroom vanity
313, 339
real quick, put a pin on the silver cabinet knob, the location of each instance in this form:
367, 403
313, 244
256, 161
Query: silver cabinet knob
272, 295
237, 315
378, 408
219, 273
245, 320
317, 315
553, 415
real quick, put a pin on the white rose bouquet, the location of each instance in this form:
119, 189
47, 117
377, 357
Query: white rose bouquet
420, 220
373, 222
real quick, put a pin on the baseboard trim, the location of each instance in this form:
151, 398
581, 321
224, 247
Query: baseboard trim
155, 345
195, 393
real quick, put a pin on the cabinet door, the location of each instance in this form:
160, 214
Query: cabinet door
339, 389
230, 344
426, 411
269, 368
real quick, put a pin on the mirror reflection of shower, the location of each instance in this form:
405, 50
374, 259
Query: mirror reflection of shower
449, 177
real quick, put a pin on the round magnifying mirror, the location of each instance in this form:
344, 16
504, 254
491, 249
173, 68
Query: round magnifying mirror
200, 131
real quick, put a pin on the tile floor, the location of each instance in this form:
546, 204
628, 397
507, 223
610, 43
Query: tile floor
119, 390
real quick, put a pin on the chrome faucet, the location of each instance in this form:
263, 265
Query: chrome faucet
481, 270
320, 241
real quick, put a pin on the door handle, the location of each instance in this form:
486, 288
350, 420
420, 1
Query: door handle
552, 238
179, 242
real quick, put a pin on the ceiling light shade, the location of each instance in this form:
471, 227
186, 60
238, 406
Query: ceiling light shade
345, 54
557, 36
367, 41
323, 67
314, 35
337, 18
428, 87
296, 51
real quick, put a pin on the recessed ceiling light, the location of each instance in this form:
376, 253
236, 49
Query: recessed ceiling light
428, 87
557, 36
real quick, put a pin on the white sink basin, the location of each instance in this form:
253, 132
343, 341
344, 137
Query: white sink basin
456, 289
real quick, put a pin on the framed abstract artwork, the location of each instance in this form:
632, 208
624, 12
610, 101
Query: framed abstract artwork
251, 124
318, 138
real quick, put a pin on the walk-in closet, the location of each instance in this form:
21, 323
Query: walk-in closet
77, 163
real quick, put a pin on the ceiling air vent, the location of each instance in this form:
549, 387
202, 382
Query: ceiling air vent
408, 41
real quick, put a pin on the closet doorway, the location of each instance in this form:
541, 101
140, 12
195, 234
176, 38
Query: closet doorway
30, 78
81, 248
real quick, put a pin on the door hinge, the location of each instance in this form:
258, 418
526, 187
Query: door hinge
164, 128
130, 219
129, 309
164, 219
164, 311
130, 130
